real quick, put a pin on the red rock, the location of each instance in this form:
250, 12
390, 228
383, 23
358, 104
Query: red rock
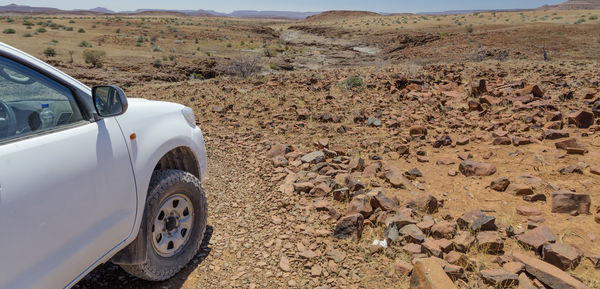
536, 238
513, 267
499, 277
429, 274
581, 119
425, 203
277, 150
457, 258
570, 143
554, 116
303, 187
595, 170
490, 241
554, 134
519, 189
463, 241
550, 275
443, 229
503, 140
500, 184
477, 221
418, 131
528, 211
470, 168
567, 202
431, 248
349, 227
532, 89
444, 162
561, 255
380, 200
360, 204
403, 268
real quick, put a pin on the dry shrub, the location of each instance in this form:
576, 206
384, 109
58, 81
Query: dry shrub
243, 66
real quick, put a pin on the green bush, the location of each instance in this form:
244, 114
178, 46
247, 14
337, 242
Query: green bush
49, 52
41, 30
155, 48
84, 43
9, 31
81, 30
354, 83
593, 17
27, 35
94, 57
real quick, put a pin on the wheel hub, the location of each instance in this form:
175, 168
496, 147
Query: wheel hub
172, 225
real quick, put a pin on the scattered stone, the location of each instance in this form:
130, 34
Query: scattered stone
373, 121
429, 274
418, 131
490, 242
519, 189
535, 198
284, 264
278, 150
550, 275
463, 241
499, 277
571, 143
581, 119
567, 202
425, 203
443, 229
412, 234
470, 168
403, 268
349, 227
561, 255
513, 267
536, 238
477, 221
528, 211
360, 204
554, 134
500, 184
313, 157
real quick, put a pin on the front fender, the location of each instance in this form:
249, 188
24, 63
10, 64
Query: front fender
159, 127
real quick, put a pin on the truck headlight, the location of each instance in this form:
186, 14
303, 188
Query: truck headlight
188, 114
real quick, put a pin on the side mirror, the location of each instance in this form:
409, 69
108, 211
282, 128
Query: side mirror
109, 100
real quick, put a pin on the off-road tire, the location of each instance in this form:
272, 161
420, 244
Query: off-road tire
163, 184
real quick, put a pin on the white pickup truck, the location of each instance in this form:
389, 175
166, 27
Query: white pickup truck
88, 176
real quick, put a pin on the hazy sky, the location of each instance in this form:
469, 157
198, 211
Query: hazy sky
296, 5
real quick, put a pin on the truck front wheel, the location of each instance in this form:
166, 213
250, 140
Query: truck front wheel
173, 225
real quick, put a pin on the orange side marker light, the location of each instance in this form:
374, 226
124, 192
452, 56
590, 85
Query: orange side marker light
132, 136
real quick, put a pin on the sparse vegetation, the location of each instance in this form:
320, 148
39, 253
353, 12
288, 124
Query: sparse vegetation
94, 57
9, 31
243, 66
49, 52
353, 83
84, 43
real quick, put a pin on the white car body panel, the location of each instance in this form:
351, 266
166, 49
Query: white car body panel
86, 184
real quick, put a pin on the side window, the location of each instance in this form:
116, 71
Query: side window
31, 102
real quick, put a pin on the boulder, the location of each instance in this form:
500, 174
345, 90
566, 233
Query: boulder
443, 229
360, 204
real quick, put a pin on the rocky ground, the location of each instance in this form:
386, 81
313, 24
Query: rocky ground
370, 177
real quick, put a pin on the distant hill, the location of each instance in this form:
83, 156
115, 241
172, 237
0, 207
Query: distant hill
574, 5
338, 14
27, 9
272, 14
14, 8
